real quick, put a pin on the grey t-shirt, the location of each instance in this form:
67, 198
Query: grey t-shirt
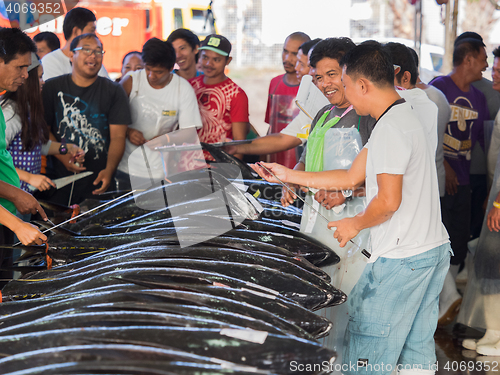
350, 120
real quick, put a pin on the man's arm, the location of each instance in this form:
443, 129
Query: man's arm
380, 209
25, 203
115, 153
339, 179
267, 145
27, 233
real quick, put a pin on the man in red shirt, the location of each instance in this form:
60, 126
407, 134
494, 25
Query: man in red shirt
281, 108
223, 104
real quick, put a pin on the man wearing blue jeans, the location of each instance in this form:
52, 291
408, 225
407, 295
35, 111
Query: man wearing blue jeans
393, 308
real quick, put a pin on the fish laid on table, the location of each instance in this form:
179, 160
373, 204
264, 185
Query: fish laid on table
264, 350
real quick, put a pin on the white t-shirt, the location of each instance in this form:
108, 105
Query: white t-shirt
427, 113
158, 111
398, 145
444, 114
56, 63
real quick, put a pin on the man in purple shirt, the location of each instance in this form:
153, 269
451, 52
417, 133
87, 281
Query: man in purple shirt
468, 111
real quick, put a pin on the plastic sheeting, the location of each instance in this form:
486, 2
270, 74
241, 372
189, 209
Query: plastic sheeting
481, 301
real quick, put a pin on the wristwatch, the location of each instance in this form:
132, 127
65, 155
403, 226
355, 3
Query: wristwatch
347, 194
63, 150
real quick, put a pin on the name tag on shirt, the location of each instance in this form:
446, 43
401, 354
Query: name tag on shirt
168, 113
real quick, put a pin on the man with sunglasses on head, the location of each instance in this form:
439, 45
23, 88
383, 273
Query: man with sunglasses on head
90, 111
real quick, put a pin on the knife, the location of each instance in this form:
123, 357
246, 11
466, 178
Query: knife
63, 181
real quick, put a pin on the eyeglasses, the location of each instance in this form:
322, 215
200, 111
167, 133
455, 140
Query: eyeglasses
89, 52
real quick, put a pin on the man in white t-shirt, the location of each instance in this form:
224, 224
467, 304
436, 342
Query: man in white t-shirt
160, 102
393, 309
76, 22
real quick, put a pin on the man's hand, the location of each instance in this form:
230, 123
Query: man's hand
493, 220
28, 234
135, 137
279, 171
329, 199
287, 198
451, 179
26, 204
69, 164
41, 182
105, 177
77, 154
346, 230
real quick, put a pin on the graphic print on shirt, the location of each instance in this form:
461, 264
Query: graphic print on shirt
457, 138
215, 112
76, 128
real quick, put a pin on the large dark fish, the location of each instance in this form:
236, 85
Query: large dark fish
178, 298
230, 273
138, 367
37, 361
108, 315
284, 264
263, 350
153, 199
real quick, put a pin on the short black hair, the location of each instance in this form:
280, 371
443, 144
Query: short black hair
299, 35
14, 42
415, 56
466, 43
306, 46
185, 34
496, 52
156, 52
130, 53
333, 48
74, 42
401, 55
370, 60
77, 17
50, 38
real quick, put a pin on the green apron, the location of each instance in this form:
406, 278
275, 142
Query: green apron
315, 142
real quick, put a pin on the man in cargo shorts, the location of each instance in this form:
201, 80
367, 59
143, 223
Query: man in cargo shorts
393, 309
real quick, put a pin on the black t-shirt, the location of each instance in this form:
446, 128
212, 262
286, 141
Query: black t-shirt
82, 115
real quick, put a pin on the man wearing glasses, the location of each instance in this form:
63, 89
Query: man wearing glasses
76, 22
90, 111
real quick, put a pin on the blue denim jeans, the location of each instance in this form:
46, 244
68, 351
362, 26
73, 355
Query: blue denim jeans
393, 313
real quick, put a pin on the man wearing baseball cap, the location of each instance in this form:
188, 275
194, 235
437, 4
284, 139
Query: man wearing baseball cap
223, 104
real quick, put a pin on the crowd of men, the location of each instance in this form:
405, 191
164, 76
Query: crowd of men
415, 139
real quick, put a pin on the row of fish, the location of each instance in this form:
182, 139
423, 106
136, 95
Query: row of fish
123, 296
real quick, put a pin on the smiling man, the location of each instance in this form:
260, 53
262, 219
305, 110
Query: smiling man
393, 308
223, 104
90, 111
76, 22
186, 45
